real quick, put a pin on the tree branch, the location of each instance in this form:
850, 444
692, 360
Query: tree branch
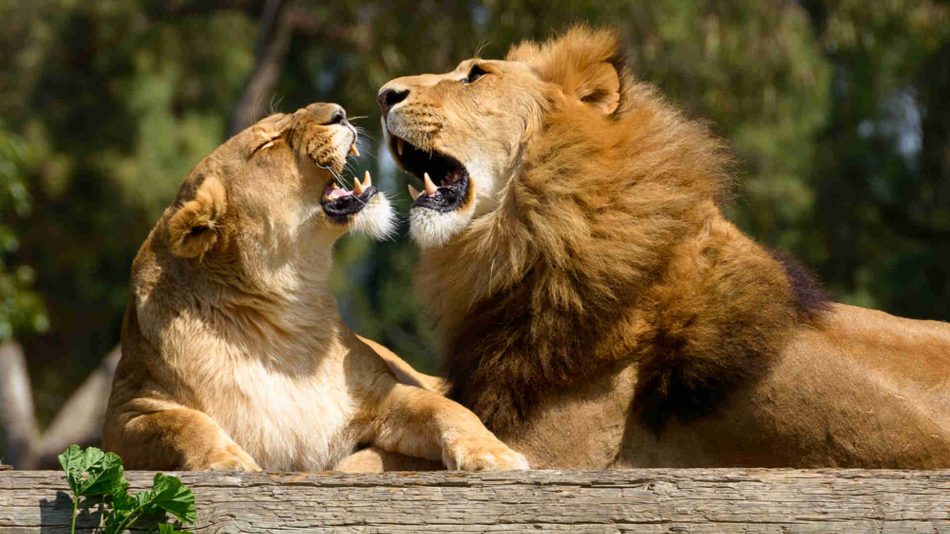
16, 406
273, 42
80, 419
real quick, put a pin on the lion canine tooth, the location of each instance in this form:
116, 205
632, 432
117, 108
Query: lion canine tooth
400, 145
430, 185
354, 151
367, 180
413, 193
357, 187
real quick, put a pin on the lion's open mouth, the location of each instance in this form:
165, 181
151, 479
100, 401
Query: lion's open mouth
340, 204
445, 179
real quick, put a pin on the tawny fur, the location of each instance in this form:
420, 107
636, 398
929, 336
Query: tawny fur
599, 310
234, 355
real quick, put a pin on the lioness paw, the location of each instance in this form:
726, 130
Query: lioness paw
232, 458
483, 455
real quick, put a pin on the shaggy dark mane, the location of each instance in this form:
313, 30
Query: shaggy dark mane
609, 250
810, 295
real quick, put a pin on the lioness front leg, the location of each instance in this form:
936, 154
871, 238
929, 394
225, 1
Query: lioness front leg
418, 422
173, 438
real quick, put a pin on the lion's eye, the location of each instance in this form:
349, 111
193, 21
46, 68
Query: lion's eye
264, 145
475, 73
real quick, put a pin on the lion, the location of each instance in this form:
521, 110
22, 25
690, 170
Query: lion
234, 355
598, 310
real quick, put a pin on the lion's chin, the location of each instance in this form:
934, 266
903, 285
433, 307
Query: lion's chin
376, 219
433, 229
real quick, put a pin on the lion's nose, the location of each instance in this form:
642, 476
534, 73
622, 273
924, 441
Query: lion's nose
388, 98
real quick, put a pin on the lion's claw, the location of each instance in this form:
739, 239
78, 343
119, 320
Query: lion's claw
483, 455
233, 458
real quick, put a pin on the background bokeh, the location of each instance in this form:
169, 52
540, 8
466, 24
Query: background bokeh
838, 111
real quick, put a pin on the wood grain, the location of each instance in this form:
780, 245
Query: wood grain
638, 500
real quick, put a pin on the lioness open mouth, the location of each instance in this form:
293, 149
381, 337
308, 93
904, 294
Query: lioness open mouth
340, 204
445, 179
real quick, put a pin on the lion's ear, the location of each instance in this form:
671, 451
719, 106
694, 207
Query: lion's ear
587, 64
193, 229
600, 87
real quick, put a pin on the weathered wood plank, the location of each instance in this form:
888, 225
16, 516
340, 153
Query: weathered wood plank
639, 500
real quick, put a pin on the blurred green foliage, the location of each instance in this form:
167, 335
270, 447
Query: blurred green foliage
21, 309
837, 111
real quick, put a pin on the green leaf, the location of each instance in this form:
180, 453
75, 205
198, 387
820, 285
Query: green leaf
121, 500
117, 521
70, 459
168, 494
92, 472
171, 495
127, 509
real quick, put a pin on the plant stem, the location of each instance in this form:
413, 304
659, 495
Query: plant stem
129, 519
72, 529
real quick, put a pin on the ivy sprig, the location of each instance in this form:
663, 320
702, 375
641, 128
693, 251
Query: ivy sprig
92, 473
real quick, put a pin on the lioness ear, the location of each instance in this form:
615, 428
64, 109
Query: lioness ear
587, 64
193, 229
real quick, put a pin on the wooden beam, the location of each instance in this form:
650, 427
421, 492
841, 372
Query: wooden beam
640, 500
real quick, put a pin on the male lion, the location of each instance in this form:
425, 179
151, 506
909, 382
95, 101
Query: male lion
234, 355
597, 308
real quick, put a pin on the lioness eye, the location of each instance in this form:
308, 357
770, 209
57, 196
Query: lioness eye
475, 73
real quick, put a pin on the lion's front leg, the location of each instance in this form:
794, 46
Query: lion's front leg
377, 460
421, 423
173, 438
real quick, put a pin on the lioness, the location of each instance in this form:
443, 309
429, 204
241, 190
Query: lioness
234, 355
597, 308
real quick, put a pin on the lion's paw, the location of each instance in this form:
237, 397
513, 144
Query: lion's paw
233, 458
483, 455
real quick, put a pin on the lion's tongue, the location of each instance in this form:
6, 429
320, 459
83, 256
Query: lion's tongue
333, 192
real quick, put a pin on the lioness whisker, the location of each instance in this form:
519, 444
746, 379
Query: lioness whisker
364, 136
